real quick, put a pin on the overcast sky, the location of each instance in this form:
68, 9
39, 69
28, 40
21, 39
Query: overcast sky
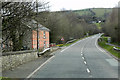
57, 5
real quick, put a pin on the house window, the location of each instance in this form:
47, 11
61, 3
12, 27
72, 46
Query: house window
44, 35
44, 44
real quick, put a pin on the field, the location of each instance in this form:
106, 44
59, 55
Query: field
99, 12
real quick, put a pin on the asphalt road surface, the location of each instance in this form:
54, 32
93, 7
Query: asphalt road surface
83, 59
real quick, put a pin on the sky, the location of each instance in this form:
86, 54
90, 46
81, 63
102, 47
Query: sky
57, 5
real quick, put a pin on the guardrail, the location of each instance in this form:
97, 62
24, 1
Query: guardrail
116, 49
70, 41
44, 51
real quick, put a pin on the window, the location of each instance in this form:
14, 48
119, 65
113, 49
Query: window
44, 35
44, 44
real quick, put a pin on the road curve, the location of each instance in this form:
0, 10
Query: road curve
83, 59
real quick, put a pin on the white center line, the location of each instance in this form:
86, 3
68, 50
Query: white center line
81, 54
83, 58
39, 67
85, 62
82, 50
88, 70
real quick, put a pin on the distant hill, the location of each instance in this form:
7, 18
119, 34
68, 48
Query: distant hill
97, 12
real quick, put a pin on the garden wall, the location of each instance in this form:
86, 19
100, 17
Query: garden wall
13, 59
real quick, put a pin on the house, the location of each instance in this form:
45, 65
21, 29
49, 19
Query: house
30, 37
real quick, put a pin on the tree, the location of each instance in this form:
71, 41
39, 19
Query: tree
112, 27
14, 16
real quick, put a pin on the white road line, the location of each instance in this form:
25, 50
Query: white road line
81, 54
82, 49
74, 44
85, 62
83, 58
70, 46
88, 70
65, 48
98, 47
39, 67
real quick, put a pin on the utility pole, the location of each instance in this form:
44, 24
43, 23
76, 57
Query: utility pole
37, 28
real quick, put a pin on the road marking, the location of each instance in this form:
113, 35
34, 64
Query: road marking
70, 46
65, 48
85, 62
74, 44
81, 54
88, 70
83, 58
39, 67
82, 49
98, 47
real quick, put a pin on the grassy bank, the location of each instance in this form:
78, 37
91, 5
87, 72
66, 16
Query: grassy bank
3, 78
108, 47
63, 45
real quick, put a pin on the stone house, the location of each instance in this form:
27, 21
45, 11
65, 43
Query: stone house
30, 37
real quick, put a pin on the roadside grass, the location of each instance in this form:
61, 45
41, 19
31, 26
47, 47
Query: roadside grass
109, 48
118, 47
4, 78
63, 45
118, 44
70, 43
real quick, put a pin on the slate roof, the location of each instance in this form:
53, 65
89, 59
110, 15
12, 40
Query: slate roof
33, 25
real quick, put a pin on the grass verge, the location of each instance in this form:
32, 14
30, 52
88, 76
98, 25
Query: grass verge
63, 45
70, 43
109, 48
3, 78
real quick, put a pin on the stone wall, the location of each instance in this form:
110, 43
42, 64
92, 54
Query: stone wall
12, 59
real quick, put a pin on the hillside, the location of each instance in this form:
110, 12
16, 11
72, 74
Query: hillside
97, 12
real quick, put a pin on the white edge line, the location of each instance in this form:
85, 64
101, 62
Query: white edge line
73, 44
65, 49
98, 47
70, 46
88, 70
39, 67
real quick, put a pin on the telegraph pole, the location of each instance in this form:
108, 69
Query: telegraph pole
37, 28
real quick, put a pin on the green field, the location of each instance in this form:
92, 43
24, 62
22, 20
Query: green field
98, 25
99, 12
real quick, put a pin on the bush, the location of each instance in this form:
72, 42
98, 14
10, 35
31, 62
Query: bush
60, 45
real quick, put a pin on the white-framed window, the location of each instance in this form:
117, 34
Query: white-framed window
44, 35
44, 44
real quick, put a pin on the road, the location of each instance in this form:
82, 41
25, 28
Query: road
83, 59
